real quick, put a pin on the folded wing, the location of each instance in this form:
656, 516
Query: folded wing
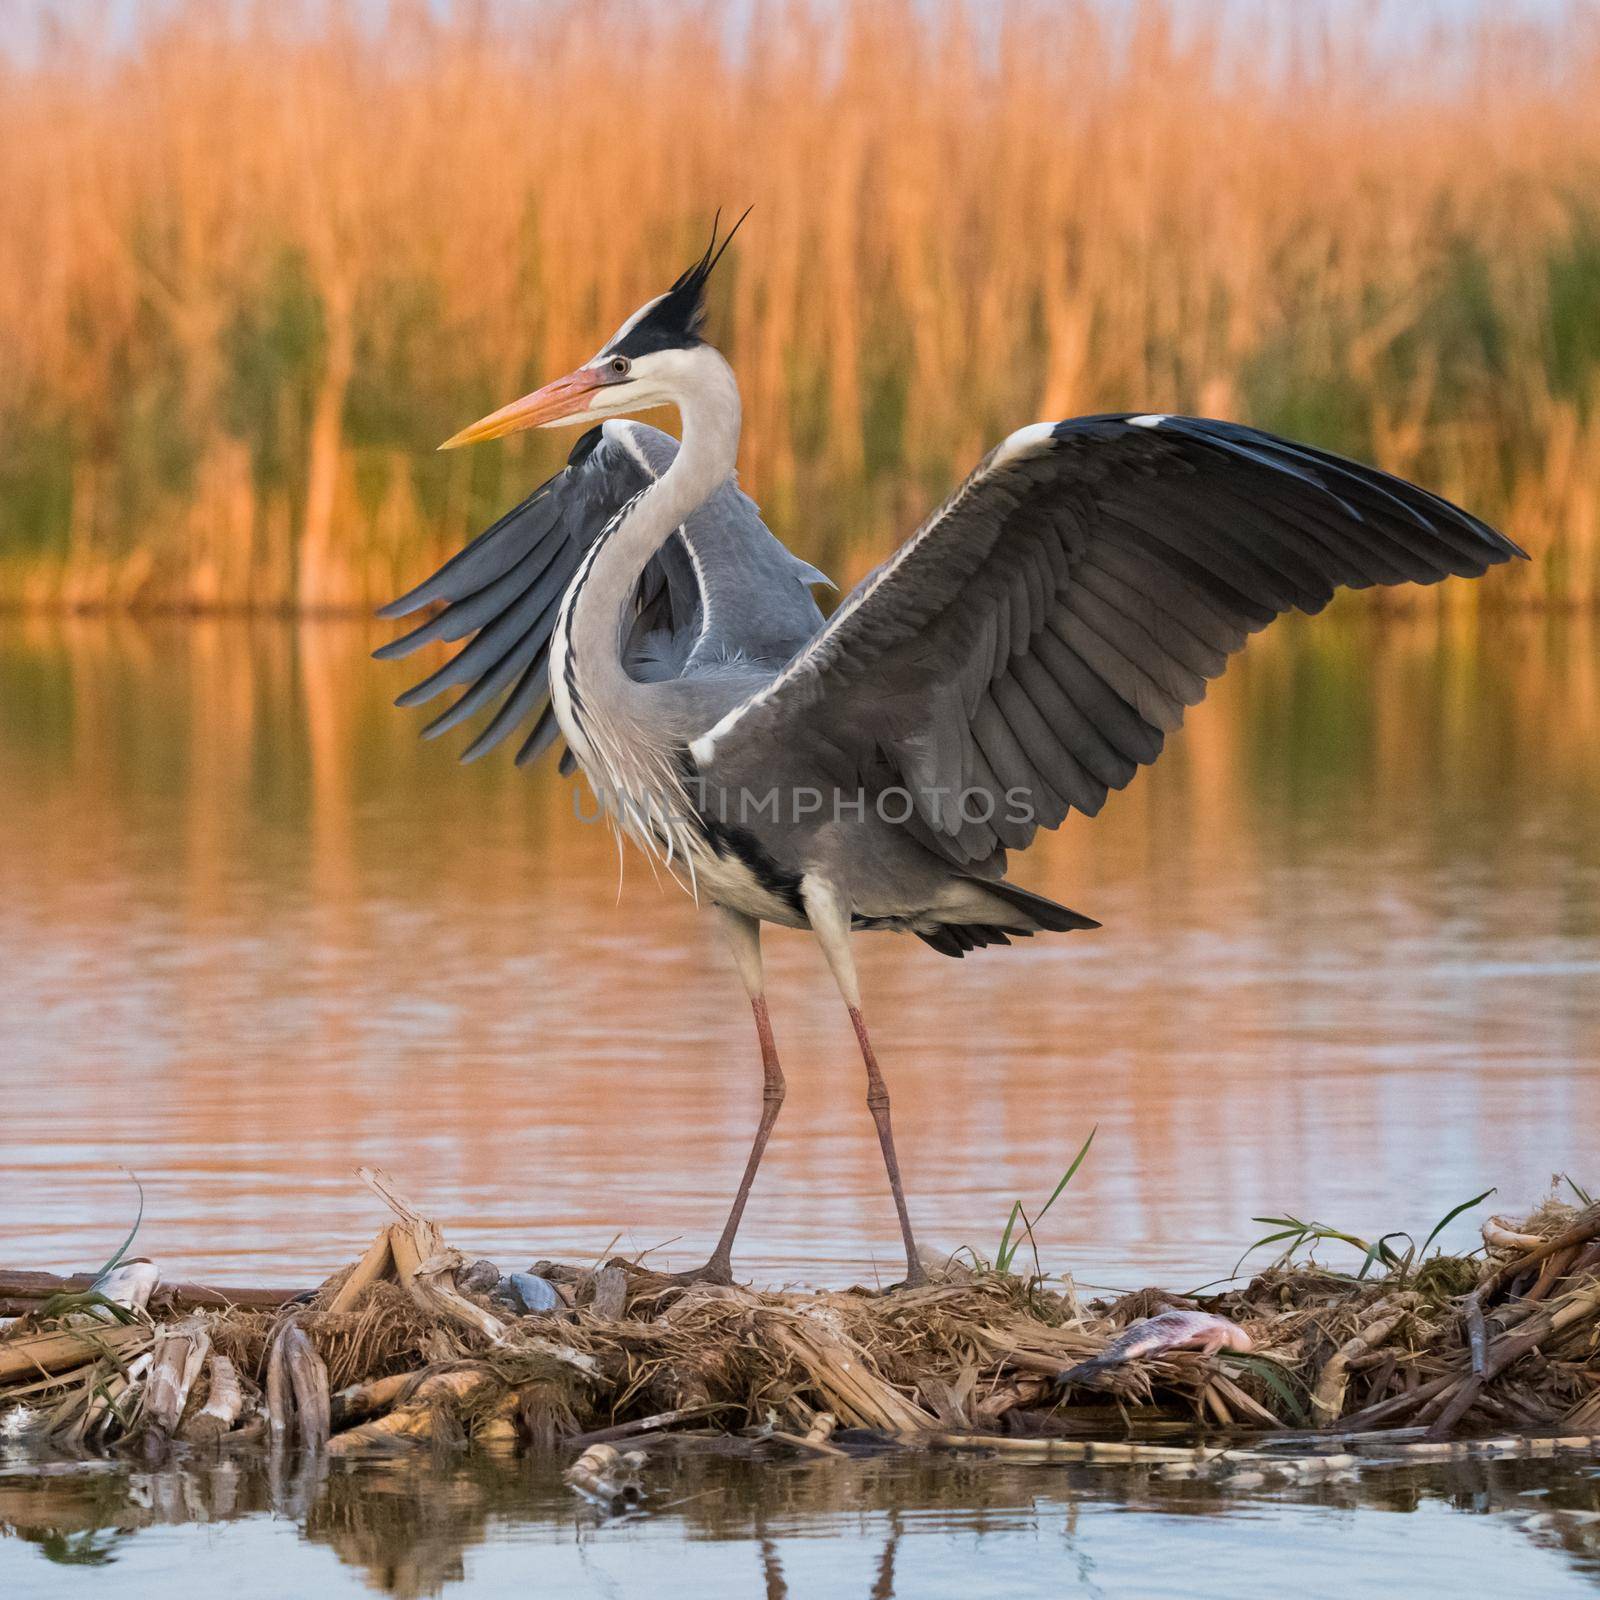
503, 592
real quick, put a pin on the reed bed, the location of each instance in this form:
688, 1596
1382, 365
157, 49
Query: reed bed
257, 260
412, 1345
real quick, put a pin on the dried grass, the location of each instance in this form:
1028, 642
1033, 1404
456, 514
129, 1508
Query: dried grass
977, 1355
257, 260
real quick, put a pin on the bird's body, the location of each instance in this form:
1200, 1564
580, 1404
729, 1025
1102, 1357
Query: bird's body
1022, 654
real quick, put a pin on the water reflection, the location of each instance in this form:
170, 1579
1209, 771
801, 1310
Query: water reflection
417, 1526
252, 932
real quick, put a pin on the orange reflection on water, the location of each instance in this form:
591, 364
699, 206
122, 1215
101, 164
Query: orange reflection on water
252, 933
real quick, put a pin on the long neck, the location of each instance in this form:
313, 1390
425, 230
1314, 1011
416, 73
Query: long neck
707, 397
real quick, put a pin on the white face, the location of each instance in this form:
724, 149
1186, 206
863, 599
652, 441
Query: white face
642, 383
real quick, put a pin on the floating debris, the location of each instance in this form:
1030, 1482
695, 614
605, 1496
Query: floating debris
607, 1476
413, 1344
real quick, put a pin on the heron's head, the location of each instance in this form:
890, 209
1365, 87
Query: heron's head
647, 362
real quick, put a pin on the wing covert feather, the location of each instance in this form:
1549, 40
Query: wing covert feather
1043, 631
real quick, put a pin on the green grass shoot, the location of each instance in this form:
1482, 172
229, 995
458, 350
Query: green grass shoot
1010, 1239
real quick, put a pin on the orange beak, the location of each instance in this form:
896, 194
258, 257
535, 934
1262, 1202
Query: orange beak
562, 398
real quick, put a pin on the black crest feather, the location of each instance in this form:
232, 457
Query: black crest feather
675, 320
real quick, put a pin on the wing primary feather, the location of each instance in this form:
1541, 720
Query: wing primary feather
466, 616
488, 647
1252, 612
490, 684
545, 733
489, 555
1177, 518
531, 688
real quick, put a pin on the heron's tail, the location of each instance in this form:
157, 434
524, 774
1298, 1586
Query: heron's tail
1045, 916
992, 911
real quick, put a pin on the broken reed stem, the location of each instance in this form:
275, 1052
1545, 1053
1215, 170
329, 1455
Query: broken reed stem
224, 1403
297, 1388
1581, 1230
179, 1355
1327, 1398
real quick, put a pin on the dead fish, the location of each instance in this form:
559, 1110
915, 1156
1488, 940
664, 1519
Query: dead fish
1154, 1336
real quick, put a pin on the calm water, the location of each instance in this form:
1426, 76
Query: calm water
252, 934
899, 1528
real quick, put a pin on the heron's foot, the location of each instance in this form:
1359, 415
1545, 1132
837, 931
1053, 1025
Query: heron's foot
718, 1270
916, 1278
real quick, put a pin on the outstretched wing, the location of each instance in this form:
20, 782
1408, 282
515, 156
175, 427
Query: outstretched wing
1033, 643
505, 590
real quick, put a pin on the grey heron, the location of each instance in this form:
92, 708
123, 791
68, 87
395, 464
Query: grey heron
1022, 654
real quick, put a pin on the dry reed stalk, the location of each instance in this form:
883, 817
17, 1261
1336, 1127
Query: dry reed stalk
21, 1292
297, 1388
1512, 1348
1499, 1234
842, 1373
424, 1264
369, 1399
53, 1353
607, 1475
610, 1297
180, 1354
1581, 1230
374, 1266
255, 264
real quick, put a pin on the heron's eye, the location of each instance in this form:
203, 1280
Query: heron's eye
621, 365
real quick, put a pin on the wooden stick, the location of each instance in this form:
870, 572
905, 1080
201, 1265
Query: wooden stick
629, 1430
1582, 1229
814, 1447
1507, 1350
21, 1292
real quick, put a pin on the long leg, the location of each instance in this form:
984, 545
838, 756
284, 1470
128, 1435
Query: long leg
743, 935
830, 921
